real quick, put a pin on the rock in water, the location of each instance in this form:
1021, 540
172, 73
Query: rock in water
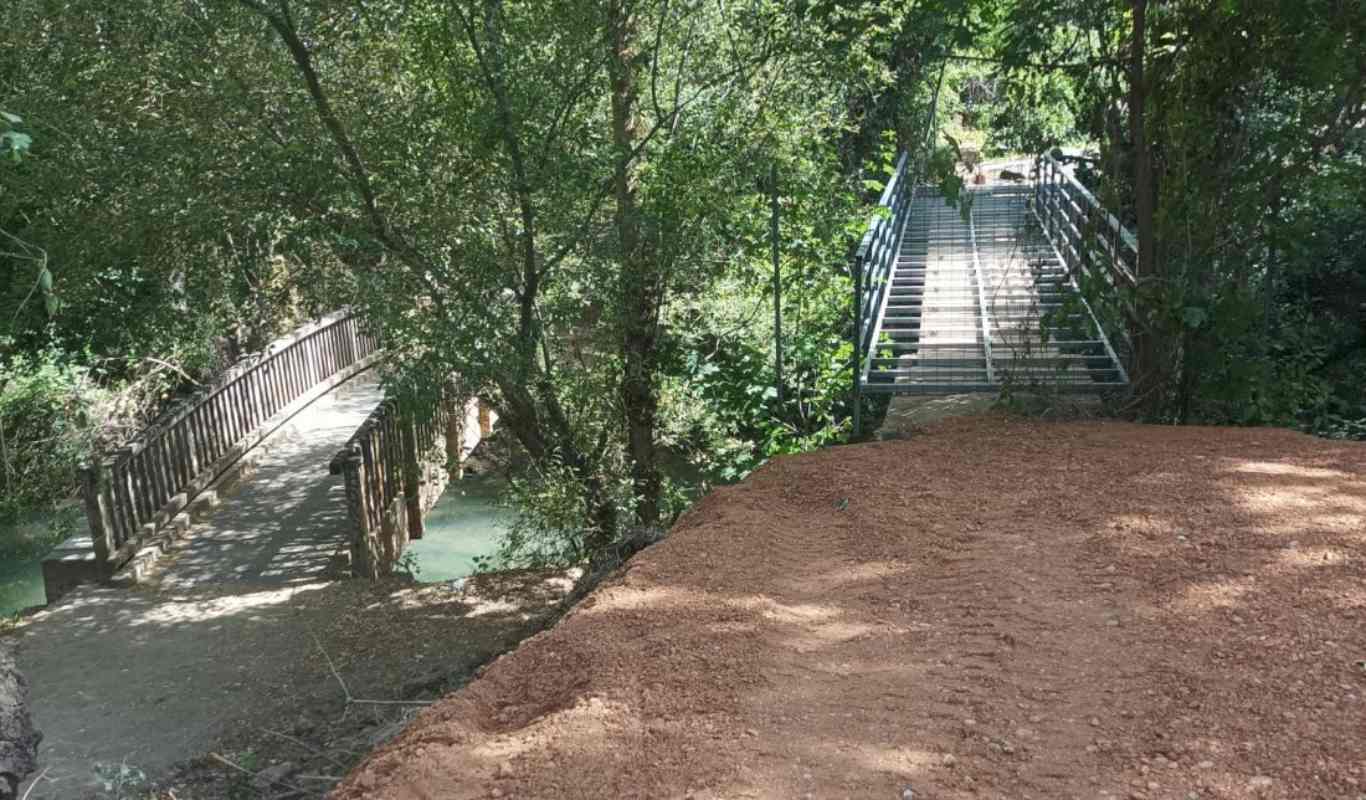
18, 739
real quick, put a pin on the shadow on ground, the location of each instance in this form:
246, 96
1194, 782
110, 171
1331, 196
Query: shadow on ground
992, 608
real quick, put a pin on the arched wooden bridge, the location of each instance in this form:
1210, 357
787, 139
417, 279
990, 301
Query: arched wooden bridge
143, 497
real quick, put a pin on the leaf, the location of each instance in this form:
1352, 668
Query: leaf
12, 119
45, 280
1194, 316
16, 143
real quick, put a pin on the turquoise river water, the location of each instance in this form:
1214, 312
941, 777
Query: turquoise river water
465, 523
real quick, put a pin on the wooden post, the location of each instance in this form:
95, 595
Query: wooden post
94, 489
455, 437
485, 420
412, 478
364, 554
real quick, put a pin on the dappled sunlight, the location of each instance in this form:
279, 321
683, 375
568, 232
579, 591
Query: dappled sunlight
813, 626
815, 637
1334, 504
1313, 557
1225, 594
632, 598
189, 610
905, 762
1279, 468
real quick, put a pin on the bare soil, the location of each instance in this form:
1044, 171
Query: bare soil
993, 608
386, 649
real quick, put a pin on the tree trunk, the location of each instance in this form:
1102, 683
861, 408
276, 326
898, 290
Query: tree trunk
18, 739
1147, 367
641, 283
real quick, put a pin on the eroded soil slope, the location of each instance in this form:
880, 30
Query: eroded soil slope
994, 608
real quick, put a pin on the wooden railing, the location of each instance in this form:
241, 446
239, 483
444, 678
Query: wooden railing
395, 467
133, 492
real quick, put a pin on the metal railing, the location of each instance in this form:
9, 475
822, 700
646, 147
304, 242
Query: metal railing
133, 492
1079, 226
1100, 254
875, 259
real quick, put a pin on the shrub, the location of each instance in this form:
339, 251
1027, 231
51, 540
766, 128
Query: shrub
47, 426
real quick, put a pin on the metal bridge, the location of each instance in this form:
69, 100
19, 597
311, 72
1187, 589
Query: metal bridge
994, 294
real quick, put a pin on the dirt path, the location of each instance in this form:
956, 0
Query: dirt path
140, 679
992, 609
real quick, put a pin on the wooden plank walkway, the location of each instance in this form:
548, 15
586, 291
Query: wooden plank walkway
150, 676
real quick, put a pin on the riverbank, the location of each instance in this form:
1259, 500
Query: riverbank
370, 658
992, 607
23, 544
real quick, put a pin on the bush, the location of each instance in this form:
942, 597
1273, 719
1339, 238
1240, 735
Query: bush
47, 426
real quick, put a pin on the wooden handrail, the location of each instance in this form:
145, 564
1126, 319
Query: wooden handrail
133, 492
394, 467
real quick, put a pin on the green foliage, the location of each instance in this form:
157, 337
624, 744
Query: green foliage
1254, 311
14, 143
46, 428
552, 524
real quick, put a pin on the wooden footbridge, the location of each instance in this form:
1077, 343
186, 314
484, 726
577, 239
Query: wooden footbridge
995, 293
141, 498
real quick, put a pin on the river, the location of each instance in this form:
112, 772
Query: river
466, 522
22, 546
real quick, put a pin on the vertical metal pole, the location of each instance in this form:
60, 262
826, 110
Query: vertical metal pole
858, 347
777, 285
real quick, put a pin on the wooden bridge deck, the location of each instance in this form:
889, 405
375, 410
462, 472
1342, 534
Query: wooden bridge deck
149, 677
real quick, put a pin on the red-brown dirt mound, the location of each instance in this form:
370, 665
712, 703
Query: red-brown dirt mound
996, 608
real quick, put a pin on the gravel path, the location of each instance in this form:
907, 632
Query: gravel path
132, 681
992, 608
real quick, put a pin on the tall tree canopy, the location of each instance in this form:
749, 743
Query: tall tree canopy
567, 204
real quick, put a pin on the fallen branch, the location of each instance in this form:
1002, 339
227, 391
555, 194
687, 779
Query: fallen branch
346, 690
310, 748
253, 775
35, 783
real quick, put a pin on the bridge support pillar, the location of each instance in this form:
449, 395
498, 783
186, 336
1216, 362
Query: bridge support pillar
95, 491
412, 477
365, 554
455, 438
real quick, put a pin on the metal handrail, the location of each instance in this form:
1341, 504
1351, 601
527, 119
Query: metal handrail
875, 258
1071, 227
1070, 224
